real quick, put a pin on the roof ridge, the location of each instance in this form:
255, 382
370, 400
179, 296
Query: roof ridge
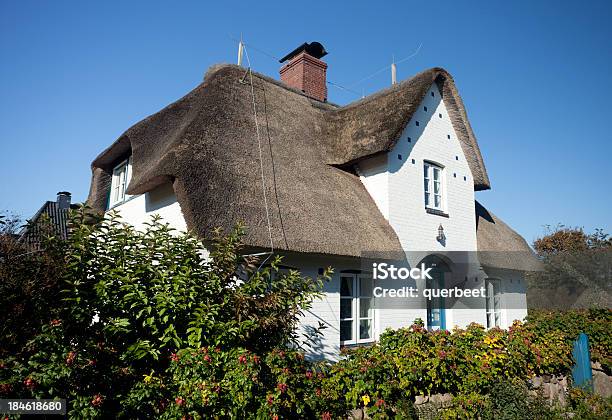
398, 86
215, 68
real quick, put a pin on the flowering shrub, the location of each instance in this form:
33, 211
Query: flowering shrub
594, 322
465, 362
134, 312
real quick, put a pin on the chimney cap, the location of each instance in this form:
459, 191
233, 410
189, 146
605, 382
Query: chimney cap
314, 49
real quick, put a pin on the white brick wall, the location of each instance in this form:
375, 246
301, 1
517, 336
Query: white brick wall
514, 294
374, 175
139, 209
395, 182
416, 229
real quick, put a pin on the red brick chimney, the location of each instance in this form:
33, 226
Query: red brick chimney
305, 71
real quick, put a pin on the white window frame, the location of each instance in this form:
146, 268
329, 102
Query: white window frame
493, 304
429, 184
122, 174
356, 301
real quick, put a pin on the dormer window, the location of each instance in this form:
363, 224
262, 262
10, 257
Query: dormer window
433, 182
121, 178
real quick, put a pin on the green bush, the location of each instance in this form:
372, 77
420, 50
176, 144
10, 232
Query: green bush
595, 322
132, 302
30, 284
413, 361
512, 400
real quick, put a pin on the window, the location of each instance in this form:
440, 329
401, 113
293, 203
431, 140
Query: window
356, 312
121, 178
433, 186
493, 303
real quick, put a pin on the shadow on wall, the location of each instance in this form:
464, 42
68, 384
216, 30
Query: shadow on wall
404, 147
160, 197
317, 350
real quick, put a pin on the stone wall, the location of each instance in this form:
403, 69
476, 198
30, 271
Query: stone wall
553, 388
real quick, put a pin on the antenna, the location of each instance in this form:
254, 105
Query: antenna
393, 71
240, 50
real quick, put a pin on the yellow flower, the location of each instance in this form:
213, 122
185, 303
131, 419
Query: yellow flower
148, 378
366, 400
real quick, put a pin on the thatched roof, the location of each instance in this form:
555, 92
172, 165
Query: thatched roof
500, 246
206, 144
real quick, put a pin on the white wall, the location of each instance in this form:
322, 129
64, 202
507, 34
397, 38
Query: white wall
139, 209
374, 175
396, 185
395, 182
327, 309
514, 294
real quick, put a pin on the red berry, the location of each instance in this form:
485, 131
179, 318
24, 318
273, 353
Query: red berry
70, 358
97, 400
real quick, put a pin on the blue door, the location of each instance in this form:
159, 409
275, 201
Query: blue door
436, 317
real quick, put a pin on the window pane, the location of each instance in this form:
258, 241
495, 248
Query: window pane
346, 330
436, 174
346, 286
346, 308
365, 329
426, 184
427, 199
365, 286
437, 201
436, 187
365, 308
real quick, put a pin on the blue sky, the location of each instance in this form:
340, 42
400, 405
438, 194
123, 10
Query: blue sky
534, 75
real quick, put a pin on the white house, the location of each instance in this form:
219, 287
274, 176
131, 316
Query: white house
390, 177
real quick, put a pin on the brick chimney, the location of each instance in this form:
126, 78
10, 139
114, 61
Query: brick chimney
305, 70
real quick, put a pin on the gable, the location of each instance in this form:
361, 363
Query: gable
429, 135
374, 124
